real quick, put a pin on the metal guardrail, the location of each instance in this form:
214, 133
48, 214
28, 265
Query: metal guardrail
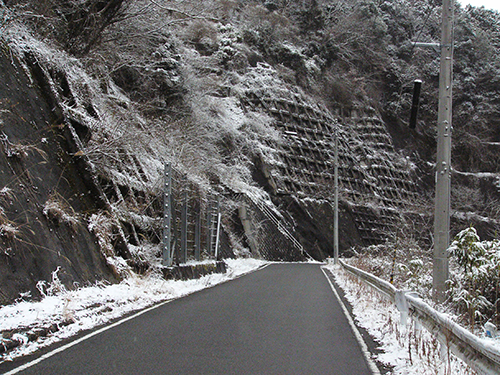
479, 354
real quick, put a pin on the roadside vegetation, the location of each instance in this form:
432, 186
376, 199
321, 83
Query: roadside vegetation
474, 285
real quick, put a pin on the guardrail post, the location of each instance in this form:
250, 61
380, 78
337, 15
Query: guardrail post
402, 306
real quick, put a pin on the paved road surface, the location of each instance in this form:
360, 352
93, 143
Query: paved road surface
283, 319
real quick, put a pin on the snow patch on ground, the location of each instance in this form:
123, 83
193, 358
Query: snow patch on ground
86, 308
408, 349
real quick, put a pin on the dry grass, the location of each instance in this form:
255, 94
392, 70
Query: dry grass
59, 211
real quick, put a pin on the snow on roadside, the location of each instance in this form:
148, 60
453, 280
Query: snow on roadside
86, 308
407, 349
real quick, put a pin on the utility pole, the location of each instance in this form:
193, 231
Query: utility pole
336, 197
443, 164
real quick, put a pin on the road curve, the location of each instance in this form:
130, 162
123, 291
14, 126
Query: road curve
283, 319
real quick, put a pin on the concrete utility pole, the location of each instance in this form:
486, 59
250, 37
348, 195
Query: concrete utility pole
443, 165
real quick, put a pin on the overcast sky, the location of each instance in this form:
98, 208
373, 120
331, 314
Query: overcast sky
488, 4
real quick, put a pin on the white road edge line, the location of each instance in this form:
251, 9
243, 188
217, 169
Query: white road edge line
103, 329
364, 348
81, 339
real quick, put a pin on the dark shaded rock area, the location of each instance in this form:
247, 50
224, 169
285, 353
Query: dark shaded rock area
37, 167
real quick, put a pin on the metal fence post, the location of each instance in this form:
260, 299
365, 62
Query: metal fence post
167, 214
197, 237
217, 233
209, 224
184, 219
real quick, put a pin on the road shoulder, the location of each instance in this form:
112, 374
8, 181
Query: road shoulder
372, 346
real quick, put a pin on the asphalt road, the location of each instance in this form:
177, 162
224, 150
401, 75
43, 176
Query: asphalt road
283, 319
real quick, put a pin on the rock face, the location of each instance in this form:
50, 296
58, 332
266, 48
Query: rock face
43, 193
90, 211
